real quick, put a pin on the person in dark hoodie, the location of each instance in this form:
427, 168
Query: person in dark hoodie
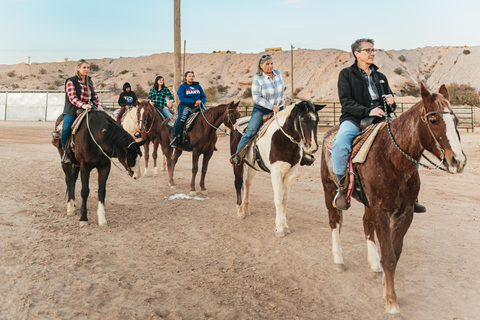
127, 98
361, 90
191, 95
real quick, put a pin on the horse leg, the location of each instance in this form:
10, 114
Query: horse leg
146, 149
103, 173
277, 175
195, 156
243, 211
71, 176
369, 229
154, 155
164, 163
206, 159
388, 260
287, 182
85, 177
171, 166
238, 172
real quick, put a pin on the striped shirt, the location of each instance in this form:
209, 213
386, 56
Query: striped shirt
84, 95
266, 91
159, 97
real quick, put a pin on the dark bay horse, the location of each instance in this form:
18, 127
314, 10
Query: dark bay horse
203, 137
150, 124
391, 181
115, 142
281, 149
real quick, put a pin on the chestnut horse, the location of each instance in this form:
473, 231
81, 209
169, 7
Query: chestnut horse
391, 181
150, 124
202, 136
281, 148
114, 141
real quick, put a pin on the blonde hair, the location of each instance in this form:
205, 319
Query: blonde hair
88, 80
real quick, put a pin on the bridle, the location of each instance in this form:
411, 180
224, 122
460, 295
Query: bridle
302, 143
145, 122
427, 123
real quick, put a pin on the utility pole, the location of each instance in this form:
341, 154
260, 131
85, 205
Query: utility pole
291, 65
177, 50
184, 49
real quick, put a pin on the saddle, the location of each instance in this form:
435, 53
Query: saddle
183, 140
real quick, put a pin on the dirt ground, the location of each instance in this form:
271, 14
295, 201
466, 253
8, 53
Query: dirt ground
191, 259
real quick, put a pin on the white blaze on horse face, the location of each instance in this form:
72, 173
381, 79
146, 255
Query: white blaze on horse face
102, 222
453, 140
137, 173
336, 248
142, 111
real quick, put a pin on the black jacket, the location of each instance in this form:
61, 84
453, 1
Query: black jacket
69, 108
127, 98
354, 96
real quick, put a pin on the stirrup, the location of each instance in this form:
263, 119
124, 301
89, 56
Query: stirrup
236, 160
66, 158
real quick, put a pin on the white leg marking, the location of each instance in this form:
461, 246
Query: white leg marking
155, 171
336, 248
373, 257
102, 222
145, 172
137, 171
71, 208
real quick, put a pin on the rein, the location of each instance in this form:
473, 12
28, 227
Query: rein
424, 119
106, 155
300, 144
211, 125
145, 123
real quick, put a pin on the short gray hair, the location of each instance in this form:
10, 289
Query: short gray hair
358, 43
262, 60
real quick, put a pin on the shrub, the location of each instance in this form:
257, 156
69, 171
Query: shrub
15, 86
94, 67
21, 78
408, 90
42, 71
287, 74
219, 77
123, 72
398, 71
142, 94
150, 83
57, 83
52, 88
60, 71
172, 75
61, 76
462, 94
102, 85
222, 90
11, 74
247, 93
211, 94
465, 52
402, 58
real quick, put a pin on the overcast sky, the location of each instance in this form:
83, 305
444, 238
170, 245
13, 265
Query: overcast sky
52, 30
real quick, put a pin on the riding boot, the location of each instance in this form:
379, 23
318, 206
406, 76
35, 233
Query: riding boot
174, 142
418, 208
340, 201
236, 160
66, 158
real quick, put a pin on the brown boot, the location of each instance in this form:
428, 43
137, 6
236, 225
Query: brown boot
418, 208
66, 158
340, 201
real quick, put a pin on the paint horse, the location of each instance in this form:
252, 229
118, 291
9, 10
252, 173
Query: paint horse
150, 125
280, 149
202, 136
391, 181
113, 141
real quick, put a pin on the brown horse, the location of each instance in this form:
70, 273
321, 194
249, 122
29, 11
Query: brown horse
281, 149
114, 141
150, 124
202, 136
391, 181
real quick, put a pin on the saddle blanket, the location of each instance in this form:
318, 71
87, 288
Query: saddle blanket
242, 123
188, 124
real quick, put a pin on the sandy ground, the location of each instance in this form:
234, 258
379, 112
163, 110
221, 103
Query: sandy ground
191, 259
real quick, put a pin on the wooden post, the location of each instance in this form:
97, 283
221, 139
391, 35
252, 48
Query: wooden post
291, 66
177, 51
184, 50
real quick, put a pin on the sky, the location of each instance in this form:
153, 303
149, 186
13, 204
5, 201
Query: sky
53, 30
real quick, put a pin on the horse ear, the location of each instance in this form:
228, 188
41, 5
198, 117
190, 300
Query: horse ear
319, 107
444, 92
301, 106
426, 95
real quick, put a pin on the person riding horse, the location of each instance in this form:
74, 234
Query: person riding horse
158, 94
127, 98
79, 94
361, 90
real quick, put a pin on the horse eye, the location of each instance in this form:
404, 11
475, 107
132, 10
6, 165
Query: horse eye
433, 121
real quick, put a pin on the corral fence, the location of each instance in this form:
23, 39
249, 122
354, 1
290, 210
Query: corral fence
40, 105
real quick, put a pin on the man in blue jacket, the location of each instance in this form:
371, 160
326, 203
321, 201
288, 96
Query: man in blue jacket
191, 95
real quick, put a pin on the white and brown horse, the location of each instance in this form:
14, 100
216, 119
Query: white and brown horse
280, 148
391, 181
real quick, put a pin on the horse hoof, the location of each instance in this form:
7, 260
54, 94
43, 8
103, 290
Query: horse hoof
71, 213
173, 187
279, 234
393, 316
241, 215
83, 223
339, 268
204, 192
286, 230
193, 193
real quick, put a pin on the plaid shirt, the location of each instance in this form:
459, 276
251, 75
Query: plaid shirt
266, 91
84, 95
159, 97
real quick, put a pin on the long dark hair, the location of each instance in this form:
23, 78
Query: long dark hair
155, 84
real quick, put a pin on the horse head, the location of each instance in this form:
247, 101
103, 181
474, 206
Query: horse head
131, 159
444, 139
231, 115
143, 113
307, 124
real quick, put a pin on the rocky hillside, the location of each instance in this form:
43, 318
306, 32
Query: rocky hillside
315, 71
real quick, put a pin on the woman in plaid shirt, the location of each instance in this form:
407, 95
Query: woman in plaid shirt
267, 93
77, 96
158, 94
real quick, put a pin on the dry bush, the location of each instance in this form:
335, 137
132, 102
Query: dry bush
398, 71
11, 74
402, 58
211, 94
42, 71
142, 94
462, 94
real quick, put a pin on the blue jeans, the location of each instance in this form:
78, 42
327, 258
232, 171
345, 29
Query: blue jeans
67, 128
166, 113
184, 111
342, 146
253, 125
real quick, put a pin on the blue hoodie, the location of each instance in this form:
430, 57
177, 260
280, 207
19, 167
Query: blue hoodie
189, 93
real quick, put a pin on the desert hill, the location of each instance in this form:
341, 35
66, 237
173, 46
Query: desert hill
315, 71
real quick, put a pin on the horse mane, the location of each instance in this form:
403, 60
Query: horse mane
116, 137
214, 112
